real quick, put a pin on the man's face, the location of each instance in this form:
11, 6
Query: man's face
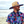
17, 8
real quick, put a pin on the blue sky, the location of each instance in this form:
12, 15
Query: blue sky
6, 4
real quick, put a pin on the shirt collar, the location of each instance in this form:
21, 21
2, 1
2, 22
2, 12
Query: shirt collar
17, 12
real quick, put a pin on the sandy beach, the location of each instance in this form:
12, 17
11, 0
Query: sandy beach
3, 20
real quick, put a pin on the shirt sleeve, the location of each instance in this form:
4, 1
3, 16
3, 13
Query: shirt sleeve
8, 19
23, 18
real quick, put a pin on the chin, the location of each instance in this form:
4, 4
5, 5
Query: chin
18, 9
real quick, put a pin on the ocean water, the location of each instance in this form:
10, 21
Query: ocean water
4, 13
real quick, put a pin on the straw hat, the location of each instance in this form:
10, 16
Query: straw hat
15, 4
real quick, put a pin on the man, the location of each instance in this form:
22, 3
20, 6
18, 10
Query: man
15, 17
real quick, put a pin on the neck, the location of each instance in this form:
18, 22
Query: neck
15, 11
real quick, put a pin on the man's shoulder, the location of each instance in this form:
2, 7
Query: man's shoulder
21, 14
10, 14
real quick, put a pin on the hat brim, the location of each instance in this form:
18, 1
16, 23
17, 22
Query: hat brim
16, 5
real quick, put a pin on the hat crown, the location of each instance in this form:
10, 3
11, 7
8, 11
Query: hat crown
15, 3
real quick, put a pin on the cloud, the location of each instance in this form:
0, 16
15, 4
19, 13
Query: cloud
5, 0
6, 4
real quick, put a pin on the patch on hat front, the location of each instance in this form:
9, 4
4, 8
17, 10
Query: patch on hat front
17, 2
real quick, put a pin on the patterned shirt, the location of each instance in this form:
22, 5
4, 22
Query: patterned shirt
15, 18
